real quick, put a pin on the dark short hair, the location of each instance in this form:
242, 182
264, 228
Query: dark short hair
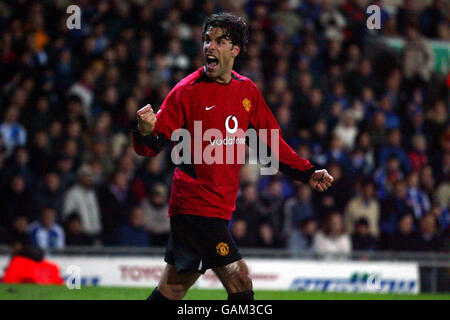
234, 27
73, 216
367, 180
73, 98
362, 222
306, 221
19, 216
46, 208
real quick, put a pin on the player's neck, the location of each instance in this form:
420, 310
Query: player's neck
225, 78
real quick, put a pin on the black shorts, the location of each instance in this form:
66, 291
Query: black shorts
198, 243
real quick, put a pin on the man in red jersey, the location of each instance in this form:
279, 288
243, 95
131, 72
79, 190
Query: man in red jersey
203, 194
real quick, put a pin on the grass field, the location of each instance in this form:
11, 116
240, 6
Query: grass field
40, 292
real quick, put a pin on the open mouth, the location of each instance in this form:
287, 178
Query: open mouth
211, 62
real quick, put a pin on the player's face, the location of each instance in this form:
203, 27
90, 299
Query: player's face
219, 54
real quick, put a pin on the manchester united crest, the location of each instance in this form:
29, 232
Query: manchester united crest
222, 249
247, 104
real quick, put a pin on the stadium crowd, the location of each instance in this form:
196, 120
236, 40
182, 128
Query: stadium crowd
377, 122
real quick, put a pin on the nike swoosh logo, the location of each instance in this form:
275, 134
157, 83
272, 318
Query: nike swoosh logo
209, 108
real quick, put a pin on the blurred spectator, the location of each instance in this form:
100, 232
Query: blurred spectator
19, 231
240, 233
336, 198
83, 199
267, 238
176, 58
393, 207
364, 206
81, 91
443, 194
436, 123
346, 130
332, 21
337, 154
133, 232
245, 219
394, 148
75, 236
441, 162
430, 239
101, 158
427, 180
301, 239
16, 200
392, 120
13, 133
151, 172
417, 58
298, 208
64, 72
155, 211
311, 98
287, 189
39, 152
74, 111
286, 19
417, 156
416, 198
50, 194
45, 232
363, 156
64, 168
377, 128
332, 240
387, 176
114, 200
406, 15
354, 13
442, 215
404, 238
432, 17
18, 164
362, 77
270, 214
362, 240
5, 237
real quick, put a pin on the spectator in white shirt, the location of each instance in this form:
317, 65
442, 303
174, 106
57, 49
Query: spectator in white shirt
155, 210
347, 130
83, 199
332, 241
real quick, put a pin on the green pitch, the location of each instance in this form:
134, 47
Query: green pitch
40, 292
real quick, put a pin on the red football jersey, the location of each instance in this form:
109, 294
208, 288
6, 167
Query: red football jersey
211, 189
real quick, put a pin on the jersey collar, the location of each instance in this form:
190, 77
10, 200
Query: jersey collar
205, 78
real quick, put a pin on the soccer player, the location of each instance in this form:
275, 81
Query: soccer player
203, 195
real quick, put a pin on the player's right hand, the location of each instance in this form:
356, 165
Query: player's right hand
146, 120
321, 180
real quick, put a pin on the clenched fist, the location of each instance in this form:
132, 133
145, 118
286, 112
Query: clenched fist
146, 120
321, 180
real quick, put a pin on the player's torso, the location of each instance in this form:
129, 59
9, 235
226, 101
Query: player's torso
218, 116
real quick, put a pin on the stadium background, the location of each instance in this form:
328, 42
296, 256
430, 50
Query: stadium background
371, 106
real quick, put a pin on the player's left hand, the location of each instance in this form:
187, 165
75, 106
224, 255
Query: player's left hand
321, 180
